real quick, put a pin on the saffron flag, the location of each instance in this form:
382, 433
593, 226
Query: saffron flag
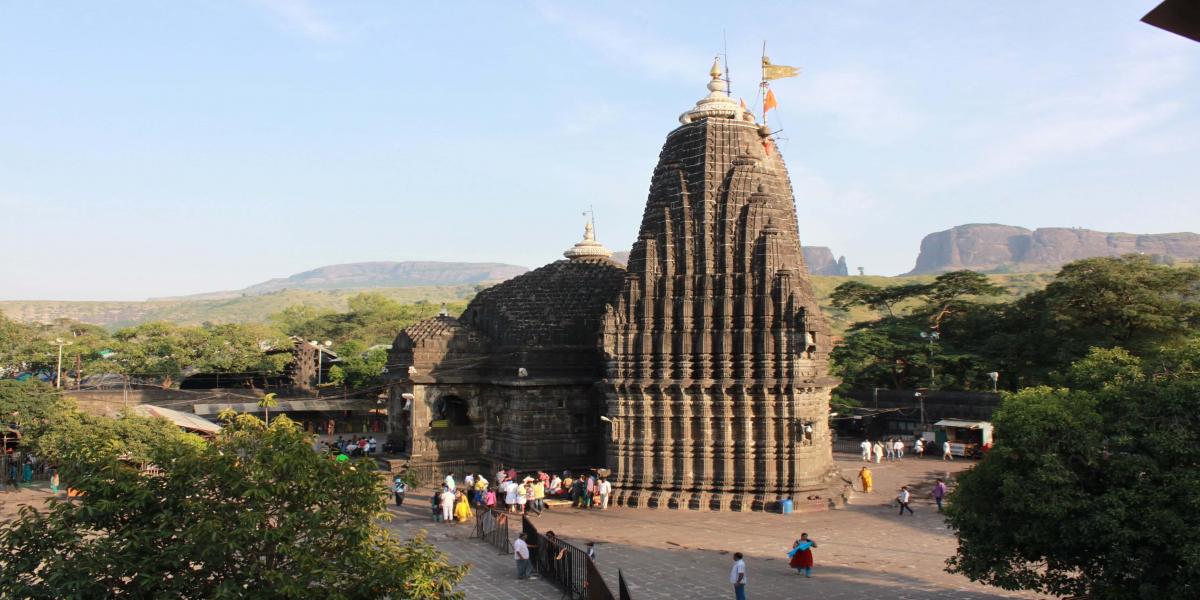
769, 101
771, 72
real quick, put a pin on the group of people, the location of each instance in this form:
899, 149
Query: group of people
353, 448
526, 496
800, 558
938, 493
893, 449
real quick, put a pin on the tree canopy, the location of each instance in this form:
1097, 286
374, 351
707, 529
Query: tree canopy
255, 513
1090, 490
1128, 302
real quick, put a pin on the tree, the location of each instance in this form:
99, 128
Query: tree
255, 513
30, 405
267, 402
1090, 490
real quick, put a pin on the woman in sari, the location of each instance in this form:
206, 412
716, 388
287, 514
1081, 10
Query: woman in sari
801, 555
462, 508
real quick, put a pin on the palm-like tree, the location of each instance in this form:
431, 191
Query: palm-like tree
267, 403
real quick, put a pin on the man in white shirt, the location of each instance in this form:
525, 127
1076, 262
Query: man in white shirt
899, 449
521, 553
737, 576
450, 481
605, 490
903, 500
890, 448
946, 454
448, 506
919, 448
866, 448
469, 481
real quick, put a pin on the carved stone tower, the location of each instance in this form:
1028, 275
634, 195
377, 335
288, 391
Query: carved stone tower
717, 382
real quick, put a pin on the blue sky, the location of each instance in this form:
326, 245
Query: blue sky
161, 148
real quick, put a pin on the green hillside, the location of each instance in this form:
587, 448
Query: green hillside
243, 309
256, 308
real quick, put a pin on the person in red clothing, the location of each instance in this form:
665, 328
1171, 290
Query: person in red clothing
801, 554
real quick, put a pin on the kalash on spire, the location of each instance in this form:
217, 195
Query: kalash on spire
717, 354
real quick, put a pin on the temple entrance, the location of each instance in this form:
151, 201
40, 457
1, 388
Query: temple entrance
453, 410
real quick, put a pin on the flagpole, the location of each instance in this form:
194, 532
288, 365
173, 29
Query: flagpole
762, 86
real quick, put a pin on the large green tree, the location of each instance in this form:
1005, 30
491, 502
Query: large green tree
1090, 490
253, 514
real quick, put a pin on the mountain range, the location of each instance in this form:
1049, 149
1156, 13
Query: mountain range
994, 248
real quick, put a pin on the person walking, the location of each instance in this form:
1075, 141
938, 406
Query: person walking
510, 495
899, 448
939, 492
919, 448
878, 452
449, 482
448, 505
903, 499
521, 553
865, 477
866, 450
738, 577
398, 489
436, 504
801, 555
889, 447
605, 492
946, 454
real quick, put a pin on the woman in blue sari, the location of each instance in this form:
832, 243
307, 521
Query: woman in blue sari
801, 555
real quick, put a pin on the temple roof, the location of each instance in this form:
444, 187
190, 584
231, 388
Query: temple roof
562, 303
432, 327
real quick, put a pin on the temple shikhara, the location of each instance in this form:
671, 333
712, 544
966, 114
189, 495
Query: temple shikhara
697, 374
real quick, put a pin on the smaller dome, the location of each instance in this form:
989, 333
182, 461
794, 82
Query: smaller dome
588, 247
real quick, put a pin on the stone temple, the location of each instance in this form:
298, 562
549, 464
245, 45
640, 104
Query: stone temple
698, 375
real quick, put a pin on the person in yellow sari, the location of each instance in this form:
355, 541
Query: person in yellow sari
865, 476
462, 508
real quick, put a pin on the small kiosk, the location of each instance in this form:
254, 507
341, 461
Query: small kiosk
967, 438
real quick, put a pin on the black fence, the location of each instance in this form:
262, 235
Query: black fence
491, 526
569, 567
432, 473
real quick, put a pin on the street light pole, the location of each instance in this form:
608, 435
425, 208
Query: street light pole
58, 369
932, 336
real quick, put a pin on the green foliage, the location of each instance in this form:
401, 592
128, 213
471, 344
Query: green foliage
1090, 491
254, 513
1126, 302
31, 405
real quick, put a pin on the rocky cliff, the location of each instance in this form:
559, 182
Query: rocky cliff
1004, 248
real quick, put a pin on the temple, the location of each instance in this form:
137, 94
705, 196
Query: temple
697, 375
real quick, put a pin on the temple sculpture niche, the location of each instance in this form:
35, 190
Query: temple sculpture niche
697, 375
717, 353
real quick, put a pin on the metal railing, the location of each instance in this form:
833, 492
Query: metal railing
491, 526
432, 473
568, 566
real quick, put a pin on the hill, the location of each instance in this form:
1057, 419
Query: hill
380, 274
239, 309
989, 247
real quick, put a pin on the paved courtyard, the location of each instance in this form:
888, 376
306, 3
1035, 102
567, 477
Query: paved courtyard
864, 550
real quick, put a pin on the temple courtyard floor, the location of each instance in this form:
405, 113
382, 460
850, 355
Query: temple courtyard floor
865, 550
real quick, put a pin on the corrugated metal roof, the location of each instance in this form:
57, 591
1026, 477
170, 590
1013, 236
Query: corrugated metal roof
288, 406
962, 424
180, 419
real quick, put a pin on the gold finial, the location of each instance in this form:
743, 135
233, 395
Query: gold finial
716, 68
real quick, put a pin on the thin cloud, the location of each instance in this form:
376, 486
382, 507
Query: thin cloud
860, 103
301, 17
1135, 98
621, 45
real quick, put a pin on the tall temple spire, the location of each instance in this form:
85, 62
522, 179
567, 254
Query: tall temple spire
716, 348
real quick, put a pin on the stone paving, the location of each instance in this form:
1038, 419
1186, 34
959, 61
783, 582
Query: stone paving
864, 550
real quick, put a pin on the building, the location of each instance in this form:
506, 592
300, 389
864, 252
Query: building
697, 375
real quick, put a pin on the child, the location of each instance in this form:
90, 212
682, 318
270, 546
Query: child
437, 507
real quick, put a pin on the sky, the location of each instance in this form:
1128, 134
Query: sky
166, 148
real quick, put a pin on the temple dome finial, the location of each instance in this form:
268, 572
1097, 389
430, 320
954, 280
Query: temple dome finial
588, 247
717, 103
